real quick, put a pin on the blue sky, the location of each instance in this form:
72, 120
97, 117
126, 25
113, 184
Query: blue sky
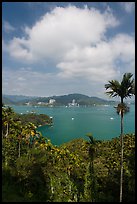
56, 48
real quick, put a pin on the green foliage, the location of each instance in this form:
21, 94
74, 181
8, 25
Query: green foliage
37, 120
77, 171
123, 89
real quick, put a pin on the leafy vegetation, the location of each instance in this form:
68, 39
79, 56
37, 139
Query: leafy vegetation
123, 89
34, 170
37, 120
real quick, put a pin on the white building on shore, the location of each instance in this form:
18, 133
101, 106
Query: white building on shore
51, 101
41, 103
73, 104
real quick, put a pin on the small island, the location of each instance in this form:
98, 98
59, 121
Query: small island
36, 119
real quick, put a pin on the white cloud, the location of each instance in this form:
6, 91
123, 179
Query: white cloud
128, 6
18, 49
75, 39
25, 80
8, 27
59, 31
123, 47
98, 63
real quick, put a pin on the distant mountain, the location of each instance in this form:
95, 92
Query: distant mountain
60, 100
6, 100
80, 99
65, 99
16, 99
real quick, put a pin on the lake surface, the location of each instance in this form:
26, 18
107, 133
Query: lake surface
75, 122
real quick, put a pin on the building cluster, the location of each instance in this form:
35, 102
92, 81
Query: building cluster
50, 103
73, 104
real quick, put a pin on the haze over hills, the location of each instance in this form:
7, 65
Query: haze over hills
17, 98
59, 100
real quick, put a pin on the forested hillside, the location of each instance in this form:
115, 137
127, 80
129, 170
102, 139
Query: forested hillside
34, 170
60, 100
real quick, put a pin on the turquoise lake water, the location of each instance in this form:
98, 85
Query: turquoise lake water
75, 122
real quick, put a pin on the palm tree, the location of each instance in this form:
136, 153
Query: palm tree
7, 119
124, 89
92, 150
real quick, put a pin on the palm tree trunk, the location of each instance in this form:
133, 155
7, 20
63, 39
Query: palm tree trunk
122, 146
19, 149
7, 130
93, 179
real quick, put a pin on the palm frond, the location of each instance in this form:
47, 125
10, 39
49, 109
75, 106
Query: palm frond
127, 86
124, 89
114, 86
